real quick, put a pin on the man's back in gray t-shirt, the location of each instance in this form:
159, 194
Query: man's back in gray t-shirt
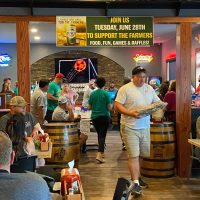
27, 186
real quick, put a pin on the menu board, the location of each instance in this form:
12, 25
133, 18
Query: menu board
104, 31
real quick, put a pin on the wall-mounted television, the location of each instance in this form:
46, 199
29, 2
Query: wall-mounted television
112, 94
157, 79
77, 70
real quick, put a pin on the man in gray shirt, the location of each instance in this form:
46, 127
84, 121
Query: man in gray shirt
59, 114
18, 186
39, 101
18, 105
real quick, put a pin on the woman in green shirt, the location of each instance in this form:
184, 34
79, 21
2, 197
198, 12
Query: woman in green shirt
100, 104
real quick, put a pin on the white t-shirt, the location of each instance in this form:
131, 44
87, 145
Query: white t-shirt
132, 97
38, 99
86, 96
59, 114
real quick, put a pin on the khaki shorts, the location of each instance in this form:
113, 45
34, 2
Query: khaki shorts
137, 141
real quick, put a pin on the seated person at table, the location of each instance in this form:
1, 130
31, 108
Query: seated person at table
170, 98
15, 129
22, 144
60, 114
18, 186
18, 105
63, 111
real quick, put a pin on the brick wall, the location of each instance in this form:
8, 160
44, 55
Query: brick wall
109, 69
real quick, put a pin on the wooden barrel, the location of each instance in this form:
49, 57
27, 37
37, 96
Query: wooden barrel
161, 163
65, 140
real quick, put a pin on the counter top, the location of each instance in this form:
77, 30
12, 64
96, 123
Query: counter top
4, 110
195, 142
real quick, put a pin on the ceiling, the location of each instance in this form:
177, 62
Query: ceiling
177, 5
102, 3
46, 31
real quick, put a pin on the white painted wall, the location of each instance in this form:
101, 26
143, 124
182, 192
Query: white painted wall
167, 48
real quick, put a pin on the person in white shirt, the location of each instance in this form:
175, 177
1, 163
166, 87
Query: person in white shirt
135, 129
88, 91
63, 112
39, 101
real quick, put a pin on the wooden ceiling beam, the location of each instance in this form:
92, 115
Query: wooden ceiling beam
157, 20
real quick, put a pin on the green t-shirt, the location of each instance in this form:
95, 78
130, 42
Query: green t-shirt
16, 91
99, 100
54, 89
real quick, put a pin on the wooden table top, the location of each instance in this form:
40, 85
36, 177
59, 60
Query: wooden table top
195, 142
44, 154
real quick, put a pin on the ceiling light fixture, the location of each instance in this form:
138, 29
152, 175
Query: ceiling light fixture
37, 38
34, 30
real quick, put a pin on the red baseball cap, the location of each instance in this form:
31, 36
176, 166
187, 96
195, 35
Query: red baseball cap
59, 75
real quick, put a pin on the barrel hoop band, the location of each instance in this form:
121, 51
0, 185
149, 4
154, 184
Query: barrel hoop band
163, 125
162, 142
61, 133
66, 145
153, 176
159, 160
160, 170
61, 127
162, 132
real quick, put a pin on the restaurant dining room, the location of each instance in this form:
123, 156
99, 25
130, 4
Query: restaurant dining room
100, 100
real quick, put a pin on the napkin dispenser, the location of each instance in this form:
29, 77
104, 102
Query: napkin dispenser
68, 177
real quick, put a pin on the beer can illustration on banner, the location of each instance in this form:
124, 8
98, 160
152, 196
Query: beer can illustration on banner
70, 31
71, 34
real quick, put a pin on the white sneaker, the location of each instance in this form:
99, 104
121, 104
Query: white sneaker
99, 157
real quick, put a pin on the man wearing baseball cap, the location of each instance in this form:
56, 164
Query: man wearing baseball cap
135, 129
18, 105
53, 94
63, 111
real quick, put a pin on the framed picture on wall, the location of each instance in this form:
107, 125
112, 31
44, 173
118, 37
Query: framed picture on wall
77, 70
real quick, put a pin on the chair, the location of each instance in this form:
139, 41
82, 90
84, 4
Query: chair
28, 164
192, 157
123, 189
23, 164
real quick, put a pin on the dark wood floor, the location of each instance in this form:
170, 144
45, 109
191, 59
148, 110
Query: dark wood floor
99, 180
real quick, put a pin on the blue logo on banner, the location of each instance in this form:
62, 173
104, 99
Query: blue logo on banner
4, 60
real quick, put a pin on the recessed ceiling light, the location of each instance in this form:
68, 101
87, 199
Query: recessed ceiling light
37, 38
34, 30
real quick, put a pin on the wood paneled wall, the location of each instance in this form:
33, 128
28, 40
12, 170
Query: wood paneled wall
183, 95
23, 59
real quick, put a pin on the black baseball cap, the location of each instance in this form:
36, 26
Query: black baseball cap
138, 70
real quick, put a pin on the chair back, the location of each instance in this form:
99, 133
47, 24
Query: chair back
123, 189
23, 164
